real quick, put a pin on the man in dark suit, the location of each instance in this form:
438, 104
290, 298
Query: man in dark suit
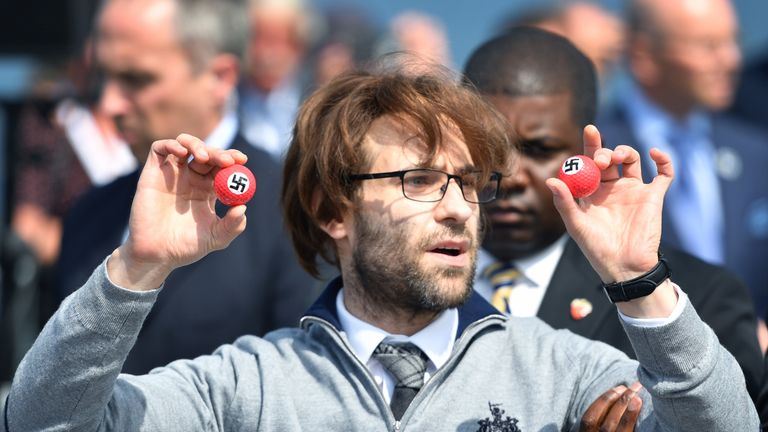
684, 59
546, 88
171, 67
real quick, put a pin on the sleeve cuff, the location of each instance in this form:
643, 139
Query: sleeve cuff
682, 301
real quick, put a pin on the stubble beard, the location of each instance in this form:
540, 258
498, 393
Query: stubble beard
390, 274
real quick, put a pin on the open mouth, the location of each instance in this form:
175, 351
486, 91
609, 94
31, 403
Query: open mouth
447, 251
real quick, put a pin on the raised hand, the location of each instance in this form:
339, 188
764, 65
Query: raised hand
619, 226
173, 221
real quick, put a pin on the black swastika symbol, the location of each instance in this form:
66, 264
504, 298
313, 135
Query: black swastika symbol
238, 183
572, 165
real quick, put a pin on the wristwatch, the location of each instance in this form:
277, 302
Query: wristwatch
640, 286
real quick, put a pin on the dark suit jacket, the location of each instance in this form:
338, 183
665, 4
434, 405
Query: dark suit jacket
253, 286
745, 197
721, 300
752, 92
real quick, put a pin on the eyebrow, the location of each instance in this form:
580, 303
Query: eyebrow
466, 169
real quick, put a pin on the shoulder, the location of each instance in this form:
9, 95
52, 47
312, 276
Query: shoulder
553, 343
740, 134
107, 197
698, 278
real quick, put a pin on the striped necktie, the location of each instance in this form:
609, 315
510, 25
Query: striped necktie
503, 277
407, 364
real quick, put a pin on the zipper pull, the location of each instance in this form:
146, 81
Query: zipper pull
397, 426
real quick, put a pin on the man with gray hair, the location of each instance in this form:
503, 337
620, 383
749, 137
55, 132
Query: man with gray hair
684, 59
171, 67
272, 88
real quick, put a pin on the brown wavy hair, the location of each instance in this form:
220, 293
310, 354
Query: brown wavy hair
331, 126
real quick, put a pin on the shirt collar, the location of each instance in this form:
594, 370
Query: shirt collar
224, 133
540, 267
436, 339
652, 121
537, 268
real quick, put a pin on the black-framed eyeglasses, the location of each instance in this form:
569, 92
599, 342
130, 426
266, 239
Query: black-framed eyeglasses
429, 185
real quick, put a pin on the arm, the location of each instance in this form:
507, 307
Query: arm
69, 379
728, 309
619, 229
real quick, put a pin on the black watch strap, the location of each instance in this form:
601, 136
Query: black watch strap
640, 286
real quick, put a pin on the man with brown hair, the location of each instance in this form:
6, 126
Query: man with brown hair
385, 177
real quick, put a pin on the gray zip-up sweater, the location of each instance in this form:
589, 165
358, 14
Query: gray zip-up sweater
517, 373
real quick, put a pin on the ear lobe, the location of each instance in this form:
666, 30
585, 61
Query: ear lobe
336, 229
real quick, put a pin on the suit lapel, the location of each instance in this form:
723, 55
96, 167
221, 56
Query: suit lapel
573, 279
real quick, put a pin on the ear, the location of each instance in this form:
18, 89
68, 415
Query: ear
225, 70
338, 227
642, 59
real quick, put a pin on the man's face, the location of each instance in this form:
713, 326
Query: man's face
408, 254
275, 48
524, 220
151, 90
697, 54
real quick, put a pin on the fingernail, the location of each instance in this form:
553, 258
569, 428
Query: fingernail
636, 386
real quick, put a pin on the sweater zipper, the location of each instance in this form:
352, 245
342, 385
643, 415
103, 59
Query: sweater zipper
442, 371
396, 424
379, 398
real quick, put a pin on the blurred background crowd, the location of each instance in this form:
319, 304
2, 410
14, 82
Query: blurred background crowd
60, 139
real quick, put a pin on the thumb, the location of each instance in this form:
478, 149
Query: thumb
563, 198
229, 227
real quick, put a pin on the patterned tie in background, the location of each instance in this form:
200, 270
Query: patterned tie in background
503, 277
407, 364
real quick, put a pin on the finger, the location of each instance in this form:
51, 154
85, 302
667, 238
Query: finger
617, 411
592, 140
217, 158
223, 158
604, 160
195, 145
200, 167
563, 199
229, 227
238, 156
664, 167
594, 415
167, 147
630, 161
629, 419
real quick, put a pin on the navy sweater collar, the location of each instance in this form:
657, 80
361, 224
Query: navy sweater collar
474, 309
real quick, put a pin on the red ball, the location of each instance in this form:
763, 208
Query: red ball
234, 185
581, 175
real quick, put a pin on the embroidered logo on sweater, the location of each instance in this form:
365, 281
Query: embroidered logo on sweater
499, 423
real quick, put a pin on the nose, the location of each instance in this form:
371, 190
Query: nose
453, 206
113, 99
517, 180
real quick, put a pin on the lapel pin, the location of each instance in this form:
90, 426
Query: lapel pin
580, 308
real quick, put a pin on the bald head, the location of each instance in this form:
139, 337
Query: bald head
529, 62
685, 53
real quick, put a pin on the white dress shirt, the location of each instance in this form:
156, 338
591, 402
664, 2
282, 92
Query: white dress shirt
435, 340
535, 274
537, 271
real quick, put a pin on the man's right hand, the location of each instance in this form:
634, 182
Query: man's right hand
173, 220
616, 410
